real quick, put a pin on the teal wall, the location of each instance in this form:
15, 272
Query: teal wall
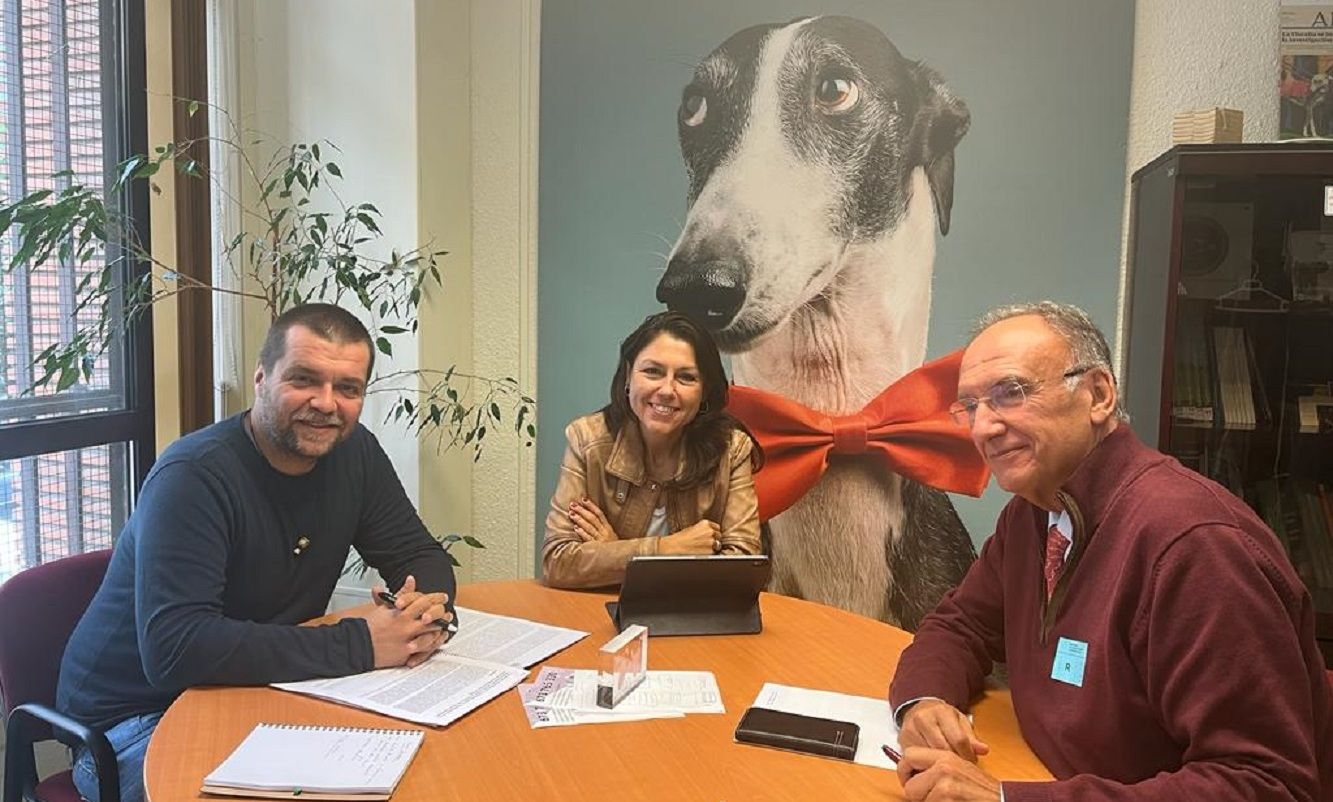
1038, 192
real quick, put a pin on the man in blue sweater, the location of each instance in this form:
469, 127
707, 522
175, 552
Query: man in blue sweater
240, 533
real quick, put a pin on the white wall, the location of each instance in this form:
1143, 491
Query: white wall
433, 104
1196, 54
341, 71
344, 71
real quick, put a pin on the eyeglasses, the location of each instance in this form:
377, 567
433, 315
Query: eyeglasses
1005, 395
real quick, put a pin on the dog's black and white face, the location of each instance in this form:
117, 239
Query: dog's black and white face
800, 141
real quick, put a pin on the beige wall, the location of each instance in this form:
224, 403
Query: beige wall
443, 78
477, 144
505, 63
162, 220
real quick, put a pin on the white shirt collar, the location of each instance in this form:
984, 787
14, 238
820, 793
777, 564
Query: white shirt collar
1061, 520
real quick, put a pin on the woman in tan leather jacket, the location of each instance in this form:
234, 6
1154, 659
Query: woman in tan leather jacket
662, 469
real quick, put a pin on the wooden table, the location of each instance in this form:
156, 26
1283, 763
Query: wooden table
492, 753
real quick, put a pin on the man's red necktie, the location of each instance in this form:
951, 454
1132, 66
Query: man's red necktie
907, 427
1056, 544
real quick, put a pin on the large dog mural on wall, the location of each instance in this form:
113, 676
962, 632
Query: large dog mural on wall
820, 163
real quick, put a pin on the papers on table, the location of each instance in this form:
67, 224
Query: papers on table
873, 716
487, 657
515, 642
564, 696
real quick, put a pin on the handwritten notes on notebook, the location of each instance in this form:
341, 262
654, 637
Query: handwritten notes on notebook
280, 760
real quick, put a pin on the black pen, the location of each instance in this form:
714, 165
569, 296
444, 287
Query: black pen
392, 600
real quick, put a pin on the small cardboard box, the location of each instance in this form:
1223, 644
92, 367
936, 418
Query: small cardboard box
1207, 125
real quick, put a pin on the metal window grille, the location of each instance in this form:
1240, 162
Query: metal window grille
52, 102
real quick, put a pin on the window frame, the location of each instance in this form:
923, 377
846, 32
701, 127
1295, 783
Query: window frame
125, 132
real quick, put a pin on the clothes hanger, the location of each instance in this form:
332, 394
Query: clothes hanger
1246, 292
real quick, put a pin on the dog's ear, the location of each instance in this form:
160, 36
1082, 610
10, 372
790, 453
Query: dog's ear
941, 120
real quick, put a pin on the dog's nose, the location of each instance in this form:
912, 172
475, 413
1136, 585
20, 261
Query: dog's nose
710, 291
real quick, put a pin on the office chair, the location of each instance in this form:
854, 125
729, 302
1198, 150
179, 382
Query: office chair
39, 608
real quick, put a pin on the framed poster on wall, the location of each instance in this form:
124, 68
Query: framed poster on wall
1305, 84
836, 189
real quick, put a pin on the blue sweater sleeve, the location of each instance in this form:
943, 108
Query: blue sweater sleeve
391, 537
184, 637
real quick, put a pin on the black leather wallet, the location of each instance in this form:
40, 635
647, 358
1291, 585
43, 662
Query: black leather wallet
791, 731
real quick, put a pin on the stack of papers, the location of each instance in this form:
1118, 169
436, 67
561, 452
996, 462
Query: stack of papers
487, 657
563, 696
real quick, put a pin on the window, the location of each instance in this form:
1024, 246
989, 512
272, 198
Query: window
69, 460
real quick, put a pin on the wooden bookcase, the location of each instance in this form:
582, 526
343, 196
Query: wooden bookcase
1229, 333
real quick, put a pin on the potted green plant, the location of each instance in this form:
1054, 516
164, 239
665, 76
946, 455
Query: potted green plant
303, 241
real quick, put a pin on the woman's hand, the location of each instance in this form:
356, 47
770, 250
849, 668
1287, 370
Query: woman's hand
589, 521
704, 537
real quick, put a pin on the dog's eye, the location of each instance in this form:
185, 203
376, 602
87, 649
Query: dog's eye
836, 95
693, 110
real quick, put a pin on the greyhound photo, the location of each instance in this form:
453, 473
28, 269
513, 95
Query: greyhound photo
820, 163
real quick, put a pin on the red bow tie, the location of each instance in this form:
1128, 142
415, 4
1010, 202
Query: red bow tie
907, 426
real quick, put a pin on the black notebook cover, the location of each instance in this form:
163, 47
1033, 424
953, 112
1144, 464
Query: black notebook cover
809, 734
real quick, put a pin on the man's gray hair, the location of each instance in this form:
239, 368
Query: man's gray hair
1086, 343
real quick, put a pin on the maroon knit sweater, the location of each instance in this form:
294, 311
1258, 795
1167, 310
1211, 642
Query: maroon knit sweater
1202, 679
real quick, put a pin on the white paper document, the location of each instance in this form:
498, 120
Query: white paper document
510, 641
685, 691
565, 696
873, 716
472, 669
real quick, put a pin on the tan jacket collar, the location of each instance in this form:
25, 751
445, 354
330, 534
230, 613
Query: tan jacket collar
629, 459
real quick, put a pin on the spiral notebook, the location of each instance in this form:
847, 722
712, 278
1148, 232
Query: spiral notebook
284, 761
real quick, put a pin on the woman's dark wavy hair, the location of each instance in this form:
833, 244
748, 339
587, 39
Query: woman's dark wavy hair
708, 437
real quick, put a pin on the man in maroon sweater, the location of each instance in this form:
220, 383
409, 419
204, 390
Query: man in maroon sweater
1170, 655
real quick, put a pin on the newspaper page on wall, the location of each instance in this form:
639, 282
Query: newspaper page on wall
1305, 91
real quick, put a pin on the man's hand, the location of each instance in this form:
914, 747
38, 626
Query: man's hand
939, 775
590, 522
701, 538
936, 724
406, 634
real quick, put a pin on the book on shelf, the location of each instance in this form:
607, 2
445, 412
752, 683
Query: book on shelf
1315, 412
1268, 503
1284, 517
1258, 395
1235, 388
1326, 508
1299, 512
1192, 392
1318, 545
